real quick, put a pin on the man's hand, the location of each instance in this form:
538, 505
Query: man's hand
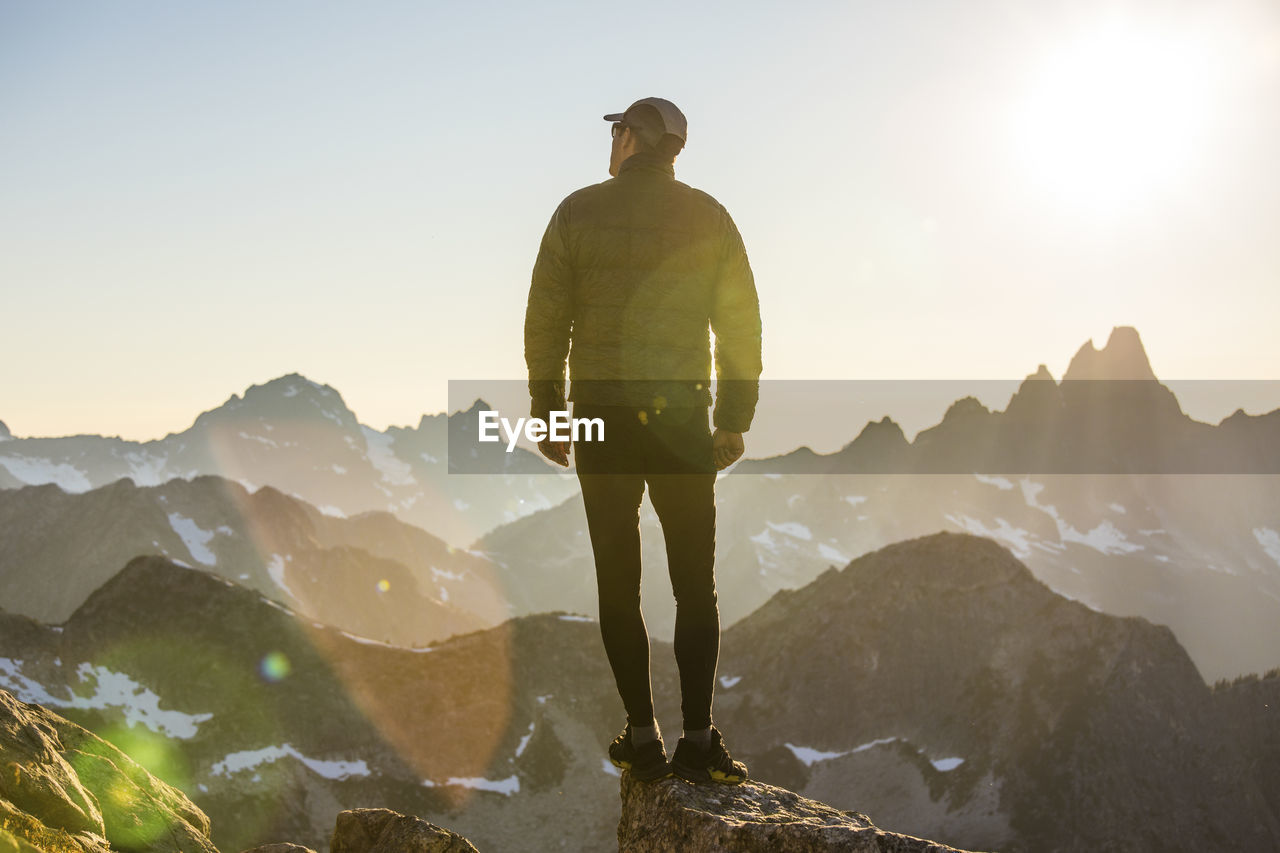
726, 448
556, 451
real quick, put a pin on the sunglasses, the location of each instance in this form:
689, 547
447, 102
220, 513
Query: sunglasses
616, 129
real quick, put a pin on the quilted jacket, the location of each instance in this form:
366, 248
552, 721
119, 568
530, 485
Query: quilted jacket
635, 273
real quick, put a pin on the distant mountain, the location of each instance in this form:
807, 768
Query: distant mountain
1109, 415
931, 685
372, 575
272, 723
299, 437
1123, 357
938, 687
1200, 553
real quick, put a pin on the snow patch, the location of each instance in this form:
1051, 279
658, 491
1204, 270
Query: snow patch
854, 500
1105, 538
811, 756
238, 762
36, 471
727, 681
194, 537
829, 553
507, 786
275, 569
792, 528
1269, 540
609, 768
573, 617
1019, 540
111, 690
382, 457
524, 742
144, 469
261, 439
946, 764
332, 511
999, 482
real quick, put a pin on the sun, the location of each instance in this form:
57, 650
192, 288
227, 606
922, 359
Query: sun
1114, 117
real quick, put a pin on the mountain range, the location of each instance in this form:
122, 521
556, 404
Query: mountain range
371, 575
1197, 552
299, 437
1042, 628
1200, 553
934, 685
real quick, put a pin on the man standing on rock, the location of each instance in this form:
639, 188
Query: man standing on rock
636, 270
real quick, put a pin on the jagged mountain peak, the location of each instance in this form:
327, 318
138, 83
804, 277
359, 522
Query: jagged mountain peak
480, 405
885, 429
5, 435
294, 385
965, 407
1036, 391
1123, 357
1042, 374
294, 380
292, 397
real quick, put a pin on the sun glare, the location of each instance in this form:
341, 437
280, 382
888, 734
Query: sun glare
1114, 117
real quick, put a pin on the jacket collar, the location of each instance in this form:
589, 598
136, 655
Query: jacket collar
644, 161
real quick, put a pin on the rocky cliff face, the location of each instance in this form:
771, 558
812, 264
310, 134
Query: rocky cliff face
753, 818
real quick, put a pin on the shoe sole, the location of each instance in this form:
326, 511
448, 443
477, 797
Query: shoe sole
708, 776
626, 765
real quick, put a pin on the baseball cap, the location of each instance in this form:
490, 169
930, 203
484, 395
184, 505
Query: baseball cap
653, 118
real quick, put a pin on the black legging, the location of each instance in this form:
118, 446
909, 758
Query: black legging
670, 449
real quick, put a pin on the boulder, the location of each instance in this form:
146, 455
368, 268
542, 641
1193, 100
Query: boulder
65, 790
385, 831
672, 814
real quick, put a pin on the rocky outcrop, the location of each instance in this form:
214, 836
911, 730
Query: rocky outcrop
379, 831
385, 831
65, 790
752, 818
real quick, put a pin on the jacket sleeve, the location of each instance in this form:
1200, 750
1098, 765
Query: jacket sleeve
735, 320
549, 317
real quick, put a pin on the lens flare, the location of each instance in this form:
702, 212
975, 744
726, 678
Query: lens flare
274, 667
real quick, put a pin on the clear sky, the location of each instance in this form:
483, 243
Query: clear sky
195, 198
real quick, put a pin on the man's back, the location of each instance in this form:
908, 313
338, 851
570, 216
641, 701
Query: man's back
638, 270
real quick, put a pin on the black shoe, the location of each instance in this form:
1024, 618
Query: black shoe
710, 763
647, 762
